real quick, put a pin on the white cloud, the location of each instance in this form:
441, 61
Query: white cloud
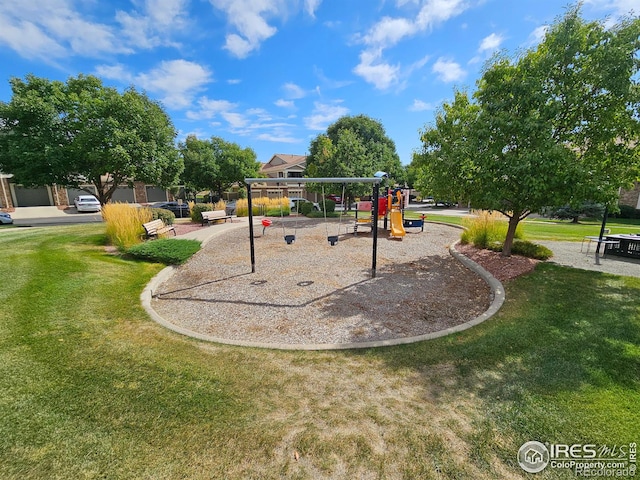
537, 35
372, 70
420, 106
310, 7
490, 43
284, 103
324, 114
28, 40
117, 72
57, 29
209, 109
390, 31
248, 18
293, 91
236, 120
279, 138
434, 12
177, 81
620, 7
448, 70
53, 29
166, 12
152, 26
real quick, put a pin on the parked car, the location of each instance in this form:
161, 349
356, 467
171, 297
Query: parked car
335, 198
87, 203
5, 218
180, 210
294, 201
444, 204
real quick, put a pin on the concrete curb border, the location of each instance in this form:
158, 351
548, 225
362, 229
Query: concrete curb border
496, 288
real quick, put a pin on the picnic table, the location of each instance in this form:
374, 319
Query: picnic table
624, 245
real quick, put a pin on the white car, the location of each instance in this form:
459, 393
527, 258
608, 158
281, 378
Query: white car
87, 203
5, 218
295, 201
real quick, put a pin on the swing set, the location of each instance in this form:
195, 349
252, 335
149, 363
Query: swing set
332, 239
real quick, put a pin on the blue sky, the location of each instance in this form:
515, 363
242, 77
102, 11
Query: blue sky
273, 74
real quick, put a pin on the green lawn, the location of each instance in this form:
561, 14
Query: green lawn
90, 387
555, 230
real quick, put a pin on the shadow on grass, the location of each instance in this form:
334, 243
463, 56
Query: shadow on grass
560, 328
559, 362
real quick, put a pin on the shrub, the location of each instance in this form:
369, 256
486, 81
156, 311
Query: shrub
486, 228
305, 208
275, 212
124, 224
531, 250
167, 216
567, 212
198, 208
165, 250
627, 211
524, 248
328, 205
317, 214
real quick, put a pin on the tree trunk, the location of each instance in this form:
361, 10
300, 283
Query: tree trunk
511, 231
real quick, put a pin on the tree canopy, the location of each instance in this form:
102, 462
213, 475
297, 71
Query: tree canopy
81, 132
558, 125
353, 147
216, 164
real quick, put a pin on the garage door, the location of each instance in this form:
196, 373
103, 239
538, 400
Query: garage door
155, 194
32, 197
123, 194
72, 193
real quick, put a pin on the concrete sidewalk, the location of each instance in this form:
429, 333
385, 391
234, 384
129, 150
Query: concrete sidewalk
23, 213
205, 234
31, 216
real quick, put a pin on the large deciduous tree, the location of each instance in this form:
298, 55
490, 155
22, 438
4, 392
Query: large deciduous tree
216, 164
81, 132
353, 147
559, 125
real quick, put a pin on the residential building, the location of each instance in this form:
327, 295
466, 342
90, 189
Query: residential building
287, 167
13, 195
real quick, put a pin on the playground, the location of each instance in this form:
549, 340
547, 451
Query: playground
310, 294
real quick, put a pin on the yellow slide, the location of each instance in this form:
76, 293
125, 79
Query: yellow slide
397, 229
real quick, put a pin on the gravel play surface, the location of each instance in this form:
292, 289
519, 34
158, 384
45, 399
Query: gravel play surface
312, 293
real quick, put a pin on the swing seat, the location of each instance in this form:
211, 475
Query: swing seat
332, 239
289, 239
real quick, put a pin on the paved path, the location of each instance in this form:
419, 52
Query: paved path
569, 254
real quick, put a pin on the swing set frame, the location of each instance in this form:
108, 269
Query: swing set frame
375, 181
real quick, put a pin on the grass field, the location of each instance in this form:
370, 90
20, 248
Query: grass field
90, 387
553, 230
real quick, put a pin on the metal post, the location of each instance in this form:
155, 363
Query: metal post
604, 224
253, 253
376, 194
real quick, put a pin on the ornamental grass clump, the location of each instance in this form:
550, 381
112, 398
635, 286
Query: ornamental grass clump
485, 229
263, 206
124, 224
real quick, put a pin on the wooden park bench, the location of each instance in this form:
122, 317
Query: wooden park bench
214, 215
156, 228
